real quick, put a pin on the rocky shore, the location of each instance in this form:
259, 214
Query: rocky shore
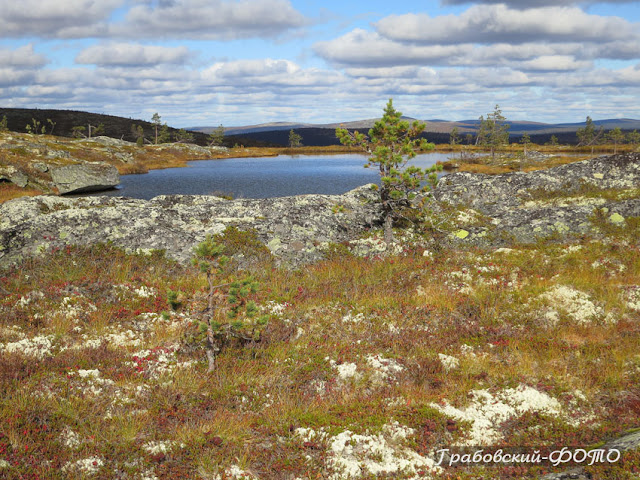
564, 202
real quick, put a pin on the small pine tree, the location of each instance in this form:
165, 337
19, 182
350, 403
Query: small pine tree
295, 140
242, 320
182, 136
164, 136
4, 124
138, 133
53, 125
633, 138
391, 143
35, 127
78, 131
454, 137
216, 138
157, 122
588, 136
525, 141
616, 137
494, 132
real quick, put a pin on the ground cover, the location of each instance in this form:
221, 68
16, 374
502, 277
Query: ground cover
367, 366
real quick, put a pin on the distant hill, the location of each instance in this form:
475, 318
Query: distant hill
277, 133
115, 127
437, 130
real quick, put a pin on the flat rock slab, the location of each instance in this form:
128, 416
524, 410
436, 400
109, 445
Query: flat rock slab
84, 177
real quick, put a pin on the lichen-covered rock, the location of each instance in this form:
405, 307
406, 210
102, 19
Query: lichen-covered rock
558, 202
293, 228
493, 193
84, 177
12, 174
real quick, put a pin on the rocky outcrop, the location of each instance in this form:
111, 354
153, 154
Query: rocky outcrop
84, 177
496, 210
560, 202
294, 228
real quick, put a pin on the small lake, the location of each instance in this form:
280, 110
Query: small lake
261, 177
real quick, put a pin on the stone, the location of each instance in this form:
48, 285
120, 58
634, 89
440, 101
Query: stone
14, 175
291, 227
558, 202
496, 211
84, 177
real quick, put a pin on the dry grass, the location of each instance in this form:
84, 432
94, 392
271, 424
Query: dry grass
9, 191
483, 308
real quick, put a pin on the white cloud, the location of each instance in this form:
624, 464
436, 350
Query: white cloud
499, 23
361, 48
23, 56
211, 19
270, 73
19, 66
127, 54
59, 19
555, 63
523, 4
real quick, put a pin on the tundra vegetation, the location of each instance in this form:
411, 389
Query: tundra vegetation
368, 364
129, 365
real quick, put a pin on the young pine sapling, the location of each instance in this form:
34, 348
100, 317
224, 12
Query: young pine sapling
240, 320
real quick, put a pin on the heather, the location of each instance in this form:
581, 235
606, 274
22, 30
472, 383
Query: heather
367, 365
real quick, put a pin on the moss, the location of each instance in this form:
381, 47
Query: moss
461, 234
243, 243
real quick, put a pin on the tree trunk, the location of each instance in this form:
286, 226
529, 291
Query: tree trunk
211, 350
388, 230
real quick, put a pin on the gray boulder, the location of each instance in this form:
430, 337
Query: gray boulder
294, 228
84, 177
12, 174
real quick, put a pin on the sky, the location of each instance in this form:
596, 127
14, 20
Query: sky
212, 62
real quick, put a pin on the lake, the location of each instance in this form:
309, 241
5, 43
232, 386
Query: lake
260, 177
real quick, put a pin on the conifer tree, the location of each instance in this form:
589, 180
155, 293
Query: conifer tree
216, 138
390, 144
242, 321
157, 122
616, 137
588, 136
295, 140
494, 131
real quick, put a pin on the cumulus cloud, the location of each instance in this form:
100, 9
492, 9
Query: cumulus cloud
276, 75
211, 19
557, 63
499, 23
23, 56
360, 47
133, 55
59, 19
19, 66
523, 4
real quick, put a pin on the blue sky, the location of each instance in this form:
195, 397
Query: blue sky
211, 62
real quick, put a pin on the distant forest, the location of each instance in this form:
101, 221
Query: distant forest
62, 123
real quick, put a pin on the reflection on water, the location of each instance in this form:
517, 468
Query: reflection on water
260, 177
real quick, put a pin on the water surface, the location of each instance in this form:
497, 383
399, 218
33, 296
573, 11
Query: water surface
260, 177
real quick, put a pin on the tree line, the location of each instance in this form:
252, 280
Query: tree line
493, 132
